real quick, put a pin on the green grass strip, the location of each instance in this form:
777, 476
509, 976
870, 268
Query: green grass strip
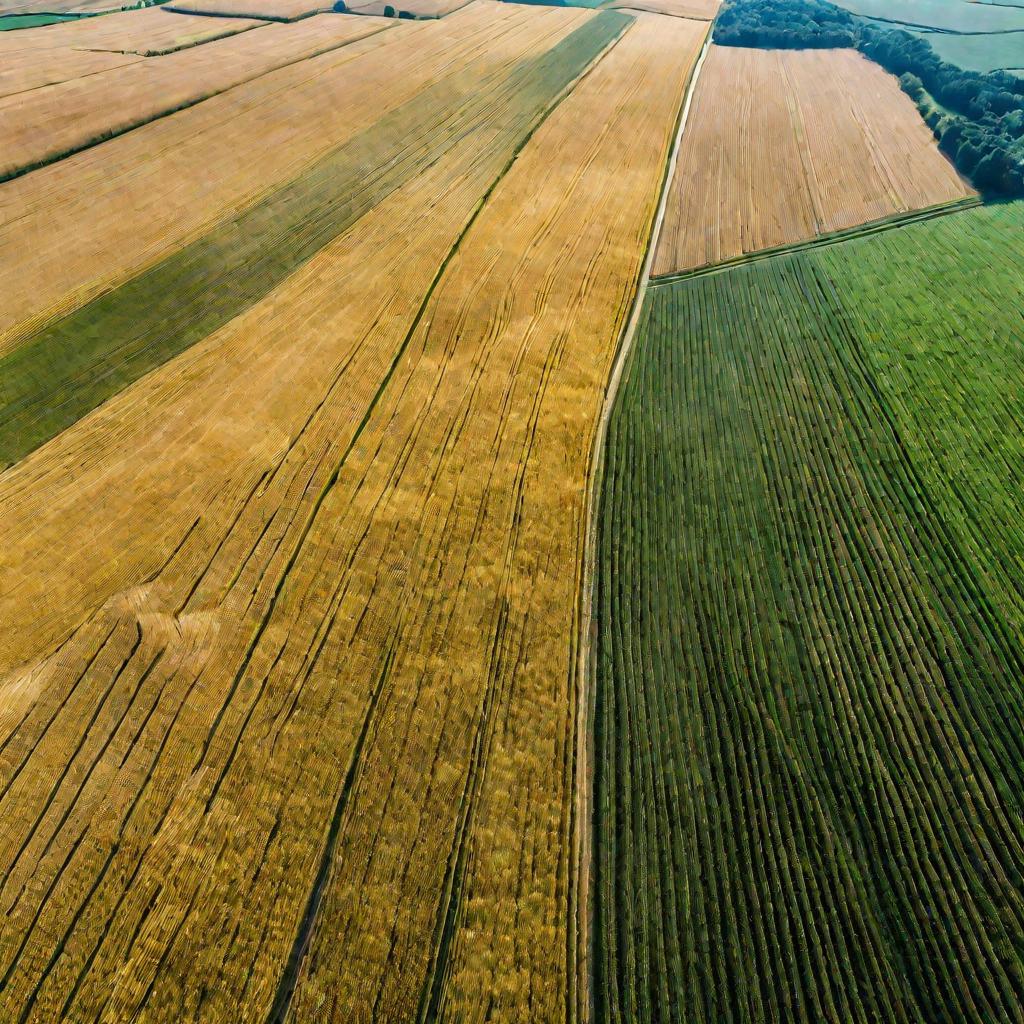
72, 365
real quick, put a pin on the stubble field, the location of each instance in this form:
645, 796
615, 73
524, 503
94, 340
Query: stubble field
784, 145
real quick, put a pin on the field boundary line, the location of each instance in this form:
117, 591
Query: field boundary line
587, 651
53, 158
871, 227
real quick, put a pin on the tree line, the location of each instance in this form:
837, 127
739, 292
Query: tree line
978, 119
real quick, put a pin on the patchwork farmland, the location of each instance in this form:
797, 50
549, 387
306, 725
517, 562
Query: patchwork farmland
437, 584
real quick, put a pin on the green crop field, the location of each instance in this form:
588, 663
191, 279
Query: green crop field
991, 51
10, 22
810, 649
947, 15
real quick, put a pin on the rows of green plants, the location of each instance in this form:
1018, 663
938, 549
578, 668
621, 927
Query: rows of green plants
810, 669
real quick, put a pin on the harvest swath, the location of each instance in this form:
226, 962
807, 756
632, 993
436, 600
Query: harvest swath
784, 145
292, 734
810, 661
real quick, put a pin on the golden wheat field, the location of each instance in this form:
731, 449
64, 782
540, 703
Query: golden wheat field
314, 439
83, 111
81, 49
785, 145
149, 33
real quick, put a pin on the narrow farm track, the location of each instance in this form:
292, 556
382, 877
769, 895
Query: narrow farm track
330, 540
810, 650
585, 711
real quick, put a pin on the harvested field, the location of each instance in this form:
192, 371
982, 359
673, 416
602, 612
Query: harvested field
83, 112
274, 10
84, 47
785, 145
702, 10
149, 32
24, 68
810, 747
321, 541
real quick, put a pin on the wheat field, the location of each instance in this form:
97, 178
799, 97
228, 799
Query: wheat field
784, 145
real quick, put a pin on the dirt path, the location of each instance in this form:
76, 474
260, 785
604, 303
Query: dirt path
585, 705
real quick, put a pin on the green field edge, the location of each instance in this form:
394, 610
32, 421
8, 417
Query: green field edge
873, 227
918, 506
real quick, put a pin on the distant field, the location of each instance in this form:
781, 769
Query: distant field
983, 53
327, 353
278, 10
420, 8
12, 22
150, 32
810, 759
951, 15
83, 111
28, 63
69, 7
784, 145
704, 10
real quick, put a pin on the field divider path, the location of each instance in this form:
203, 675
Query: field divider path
587, 648
873, 227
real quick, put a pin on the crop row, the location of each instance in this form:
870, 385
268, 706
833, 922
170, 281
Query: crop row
809, 737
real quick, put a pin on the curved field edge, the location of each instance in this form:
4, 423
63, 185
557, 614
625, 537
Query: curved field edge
808, 705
